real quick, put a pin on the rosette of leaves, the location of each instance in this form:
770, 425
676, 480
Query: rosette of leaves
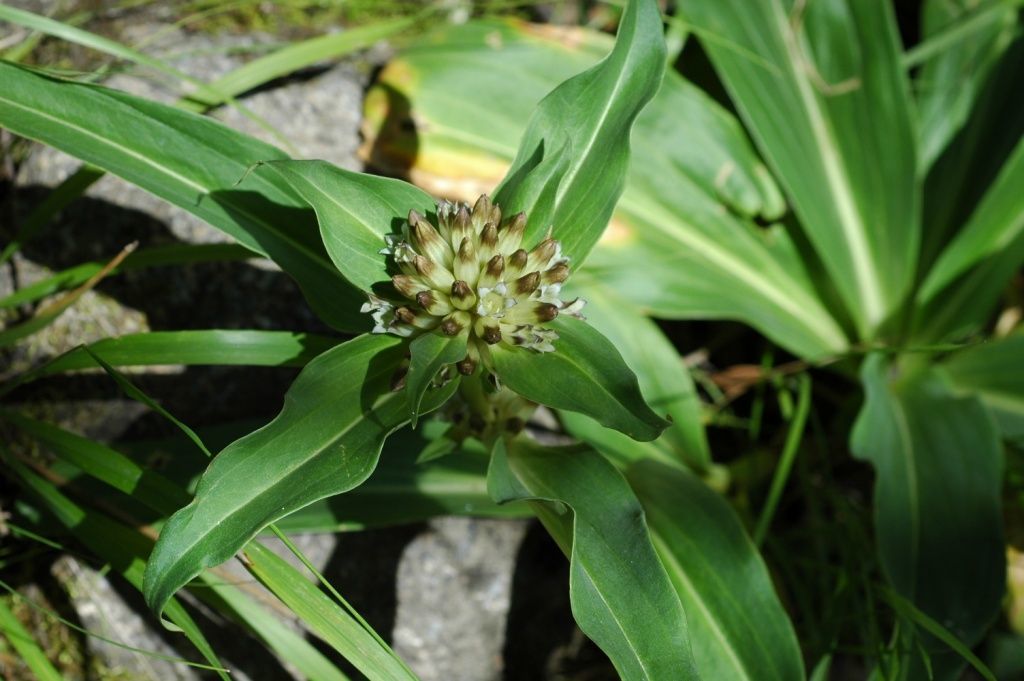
897, 253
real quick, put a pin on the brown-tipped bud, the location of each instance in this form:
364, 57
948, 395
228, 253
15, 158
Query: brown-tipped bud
541, 255
436, 276
466, 366
466, 266
415, 216
511, 236
491, 335
545, 312
462, 296
496, 266
405, 315
462, 226
451, 326
517, 261
527, 283
433, 303
556, 275
427, 241
489, 237
482, 209
408, 286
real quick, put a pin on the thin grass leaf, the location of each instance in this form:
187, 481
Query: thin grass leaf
26, 646
46, 315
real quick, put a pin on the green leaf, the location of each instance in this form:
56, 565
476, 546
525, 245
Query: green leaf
428, 354
585, 373
972, 160
738, 627
25, 645
968, 39
325, 617
822, 90
995, 373
355, 211
219, 347
971, 273
938, 464
325, 441
193, 162
620, 595
588, 117
403, 490
664, 380
176, 254
114, 542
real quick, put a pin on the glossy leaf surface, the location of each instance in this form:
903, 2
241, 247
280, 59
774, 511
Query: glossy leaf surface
620, 595
428, 354
938, 465
995, 373
821, 87
587, 121
205, 171
585, 373
738, 627
325, 441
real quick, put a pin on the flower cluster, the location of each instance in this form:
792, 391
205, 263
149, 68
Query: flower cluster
469, 274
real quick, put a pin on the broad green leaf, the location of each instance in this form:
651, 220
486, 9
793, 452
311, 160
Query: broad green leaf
221, 347
465, 150
26, 646
193, 162
114, 542
325, 617
66, 31
738, 627
948, 84
325, 441
972, 160
428, 354
995, 373
670, 247
664, 380
620, 594
585, 373
821, 88
163, 496
355, 211
588, 118
938, 466
402, 490
964, 285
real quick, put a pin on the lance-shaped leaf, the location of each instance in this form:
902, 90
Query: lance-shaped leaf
995, 373
428, 354
821, 88
620, 595
969, 276
193, 162
663, 378
938, 520
968, 38
326, 440
355, 211
585, 373
738, 627
589, 117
